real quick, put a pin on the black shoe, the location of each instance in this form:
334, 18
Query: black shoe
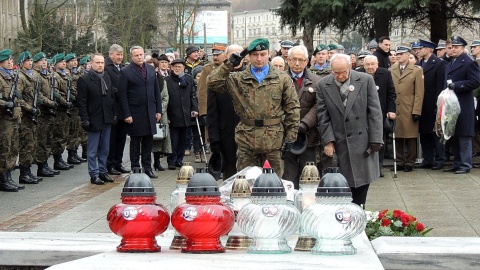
113, 171
60, 166
151, 175
399, 168
462, 171
450, 170
79, 158
38, 179
437, 167
178, 165
425, 166
122, 169
382, 174
105, 178
43, 171
95, 180
171, 166
408, 168
55, 172
73, 160
5, 185
10, 180
27, 180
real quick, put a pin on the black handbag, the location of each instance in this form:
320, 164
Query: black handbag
161, 132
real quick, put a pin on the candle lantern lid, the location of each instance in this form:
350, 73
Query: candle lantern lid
240, 187
138, 184
202, 184
333, 183
268, 183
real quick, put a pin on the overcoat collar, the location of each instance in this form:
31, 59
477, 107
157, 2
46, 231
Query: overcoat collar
458, 62
334, 93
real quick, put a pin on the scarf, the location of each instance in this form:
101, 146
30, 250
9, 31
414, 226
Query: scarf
102, 81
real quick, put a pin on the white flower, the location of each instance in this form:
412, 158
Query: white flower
351, 88
310, 89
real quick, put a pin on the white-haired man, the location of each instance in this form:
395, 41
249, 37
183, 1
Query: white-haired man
350, 122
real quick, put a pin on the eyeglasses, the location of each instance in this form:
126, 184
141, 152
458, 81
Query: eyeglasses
296, 60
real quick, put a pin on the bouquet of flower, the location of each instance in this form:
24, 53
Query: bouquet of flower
393, 223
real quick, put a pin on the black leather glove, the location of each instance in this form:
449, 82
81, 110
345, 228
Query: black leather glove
451, 86
54, 105
375, 147
302, 128
236, 58
216, 147
85, 125
35, 111
202, 119
69, 105
415, 117
286, 146
9, 104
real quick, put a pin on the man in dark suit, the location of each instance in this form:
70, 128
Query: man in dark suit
386, 94
464, 75
118, 135
383, 52
139, 96
96, 105
350, 123
433, 78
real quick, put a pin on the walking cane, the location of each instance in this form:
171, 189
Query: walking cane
201, 141
394, 155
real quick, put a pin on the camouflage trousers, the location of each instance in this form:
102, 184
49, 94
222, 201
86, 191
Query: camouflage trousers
247, 157
44, 138
74, 129
60, 132
9, 144
28, 142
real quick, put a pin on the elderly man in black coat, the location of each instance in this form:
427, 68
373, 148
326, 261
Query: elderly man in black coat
386, 94
139, 96
96, 106
464, 75
433, 77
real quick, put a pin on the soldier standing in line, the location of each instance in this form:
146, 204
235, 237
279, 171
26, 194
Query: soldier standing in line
46, 119
269, 112
322, 66
10, 118
74, 134
60, 78
84, 68
27, 85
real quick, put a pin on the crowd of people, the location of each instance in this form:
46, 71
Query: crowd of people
245, 106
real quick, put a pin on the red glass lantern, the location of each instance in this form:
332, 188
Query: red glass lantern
203, 219
138, 219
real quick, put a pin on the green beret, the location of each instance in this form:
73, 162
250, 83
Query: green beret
70, 56
58, 58
258, 44
170, 50
331, 47
49, 61
84, 60
5, 55
24, 56
320, 48
39, 56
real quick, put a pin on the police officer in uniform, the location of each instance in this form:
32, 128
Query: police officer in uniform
266, 101
60, 78
10, 118
28, 130
46, 119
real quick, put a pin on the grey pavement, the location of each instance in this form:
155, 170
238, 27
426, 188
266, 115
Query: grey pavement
444, 201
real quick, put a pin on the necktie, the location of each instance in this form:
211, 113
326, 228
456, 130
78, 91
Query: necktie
118, 67
401, 69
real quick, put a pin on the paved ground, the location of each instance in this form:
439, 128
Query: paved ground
444, 201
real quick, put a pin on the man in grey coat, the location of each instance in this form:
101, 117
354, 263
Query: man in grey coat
350, 124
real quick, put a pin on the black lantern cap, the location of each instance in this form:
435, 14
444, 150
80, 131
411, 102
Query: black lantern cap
138, 184
268, 183
202, 184
333, 183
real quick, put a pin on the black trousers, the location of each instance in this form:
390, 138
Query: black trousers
359, 194
118, 137
141, 145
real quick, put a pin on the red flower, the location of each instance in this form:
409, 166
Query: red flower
397, 213
405, 219
419, 227
385, 222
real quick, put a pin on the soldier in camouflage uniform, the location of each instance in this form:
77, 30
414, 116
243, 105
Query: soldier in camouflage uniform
322, 66
46, 119
10, 118
74, 134
28, 130
60, 131
266, 101
83, 69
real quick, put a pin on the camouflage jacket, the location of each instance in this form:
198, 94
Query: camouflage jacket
274, 98
73, 75
6, 82
60, 82
44, 91
322, 73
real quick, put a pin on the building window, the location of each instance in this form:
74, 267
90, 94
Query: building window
266, 31
238, 32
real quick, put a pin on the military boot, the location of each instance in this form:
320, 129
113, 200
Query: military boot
43, 171
25, 178
55, 172
29, 172
5, 185
60, 164
72, 159
79, 158
10, 180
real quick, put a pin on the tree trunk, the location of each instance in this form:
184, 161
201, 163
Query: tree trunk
307, 35
437, 13
381, 23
